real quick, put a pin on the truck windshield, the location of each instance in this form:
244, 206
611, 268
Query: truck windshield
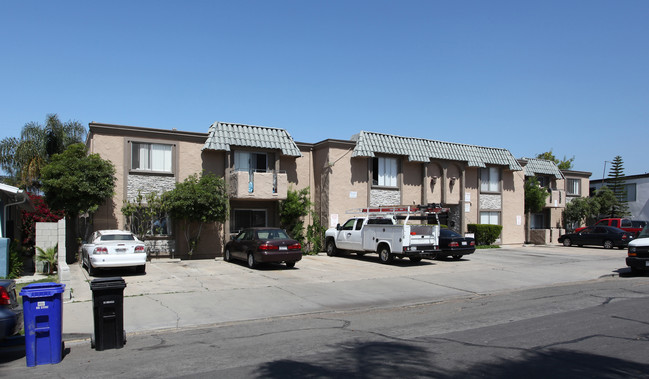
645, 232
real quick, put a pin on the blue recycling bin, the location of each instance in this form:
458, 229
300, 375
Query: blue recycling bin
43, 316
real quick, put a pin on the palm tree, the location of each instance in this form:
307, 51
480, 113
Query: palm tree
22, 158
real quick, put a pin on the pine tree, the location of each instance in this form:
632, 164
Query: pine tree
617, 184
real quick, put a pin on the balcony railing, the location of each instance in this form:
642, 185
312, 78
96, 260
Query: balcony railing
258, 185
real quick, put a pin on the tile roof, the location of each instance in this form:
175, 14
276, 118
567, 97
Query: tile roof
423, 150
222, 136
535, 166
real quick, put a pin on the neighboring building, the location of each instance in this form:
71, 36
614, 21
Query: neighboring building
637, 191
12, 200
260, 164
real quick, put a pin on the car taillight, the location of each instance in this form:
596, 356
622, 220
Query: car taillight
139, 249
4, 297
472, 243
624, 236
268, 247
101, 250
453, 244
295, 246
413, 233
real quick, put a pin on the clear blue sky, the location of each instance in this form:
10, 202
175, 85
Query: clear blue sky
571, 76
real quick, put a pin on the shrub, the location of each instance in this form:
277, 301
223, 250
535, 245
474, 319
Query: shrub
485, 234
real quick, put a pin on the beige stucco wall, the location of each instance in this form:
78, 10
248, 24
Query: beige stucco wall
513, 210
112, 148
348, 183
472, 186
434, 190
412, 174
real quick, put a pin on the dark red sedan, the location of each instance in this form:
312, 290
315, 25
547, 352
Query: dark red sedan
261, 245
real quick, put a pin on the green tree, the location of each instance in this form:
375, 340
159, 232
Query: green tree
604, 204
616, 182
142, 212
76, 182
563, 164
23, 158
576, 212
535, 196
195, 202
291, 211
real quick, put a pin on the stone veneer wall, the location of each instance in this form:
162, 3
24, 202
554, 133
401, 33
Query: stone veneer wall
380, 197
488, 202
148, 183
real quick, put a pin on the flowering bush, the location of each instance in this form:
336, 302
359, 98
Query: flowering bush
42, 213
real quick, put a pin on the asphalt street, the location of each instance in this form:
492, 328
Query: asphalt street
185, 295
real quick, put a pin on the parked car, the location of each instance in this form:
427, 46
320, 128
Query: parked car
261, 245
622, 223
638, 252
113, 248
454, 245
607, 236
11, 313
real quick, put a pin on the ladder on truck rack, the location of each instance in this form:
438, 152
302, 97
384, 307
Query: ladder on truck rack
404, 212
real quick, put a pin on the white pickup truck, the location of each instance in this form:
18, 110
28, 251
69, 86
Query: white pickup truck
385, 236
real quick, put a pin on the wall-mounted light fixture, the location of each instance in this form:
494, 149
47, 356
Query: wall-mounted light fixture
433, 180
453, 179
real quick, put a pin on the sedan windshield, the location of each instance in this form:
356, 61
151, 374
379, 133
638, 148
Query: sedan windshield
117, 237
272, 234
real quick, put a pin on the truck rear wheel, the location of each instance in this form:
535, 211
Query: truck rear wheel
384, 254
415, 259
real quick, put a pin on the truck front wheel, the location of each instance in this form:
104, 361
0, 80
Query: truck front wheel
331, 248
384, 254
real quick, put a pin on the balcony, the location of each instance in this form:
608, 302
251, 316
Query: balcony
258, 185
557, 199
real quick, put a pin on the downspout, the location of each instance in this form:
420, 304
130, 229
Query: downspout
4, 213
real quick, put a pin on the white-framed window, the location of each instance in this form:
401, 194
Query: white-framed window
574, 187
151, 157
384, 172
490, 179
490, 218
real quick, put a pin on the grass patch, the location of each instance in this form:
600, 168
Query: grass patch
487, 247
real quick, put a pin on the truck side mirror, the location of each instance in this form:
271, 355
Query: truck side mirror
338, 227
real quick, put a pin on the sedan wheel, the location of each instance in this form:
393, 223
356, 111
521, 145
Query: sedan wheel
251, 260
608, 244
91, 270
457, 257
567, 242
226, 256
415, 259
290, 264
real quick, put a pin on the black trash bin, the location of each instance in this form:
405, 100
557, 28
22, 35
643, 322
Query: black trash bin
108, 312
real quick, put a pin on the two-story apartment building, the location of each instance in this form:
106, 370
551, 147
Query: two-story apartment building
259, 165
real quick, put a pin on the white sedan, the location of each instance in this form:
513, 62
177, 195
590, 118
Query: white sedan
113, 248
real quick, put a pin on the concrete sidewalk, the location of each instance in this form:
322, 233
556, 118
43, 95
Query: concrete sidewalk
180, 294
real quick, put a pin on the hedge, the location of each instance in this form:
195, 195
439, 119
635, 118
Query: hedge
485, 234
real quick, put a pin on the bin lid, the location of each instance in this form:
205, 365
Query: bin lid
115, 282
42, 289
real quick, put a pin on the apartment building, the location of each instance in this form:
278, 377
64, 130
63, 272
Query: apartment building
260, 164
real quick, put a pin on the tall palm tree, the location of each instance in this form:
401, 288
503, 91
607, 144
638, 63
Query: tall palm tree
22, 158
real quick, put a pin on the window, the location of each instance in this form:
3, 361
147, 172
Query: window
537, 221
574, 187
247, 218
349, 225
490, 218
249, 161
151, 157
384, 172
630, 191
490, 179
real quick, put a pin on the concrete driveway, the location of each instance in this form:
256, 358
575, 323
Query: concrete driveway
179, 294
